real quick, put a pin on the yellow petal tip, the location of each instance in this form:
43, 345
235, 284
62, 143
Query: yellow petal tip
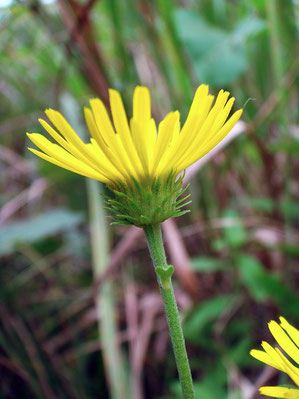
113, 92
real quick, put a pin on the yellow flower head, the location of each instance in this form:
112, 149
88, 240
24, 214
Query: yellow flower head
135, 156
287, 338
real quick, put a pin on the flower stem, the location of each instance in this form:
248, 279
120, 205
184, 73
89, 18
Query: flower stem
164, 273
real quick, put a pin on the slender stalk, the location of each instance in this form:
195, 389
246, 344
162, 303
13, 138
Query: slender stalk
279, 61
179, 62
115, 368
164, 273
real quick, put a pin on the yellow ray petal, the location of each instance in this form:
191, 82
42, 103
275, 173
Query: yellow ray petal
78, 148
144, 137
122, 127
62, 141
103, 122
219, 136
96, 149
280, 392
56, 136
265, 358
283, 340
199, 109
87, 172
274, 356
205, 132
54, 150
291, 370
292, 331
181, 147
141, 104
213, 141
168, 130
221, 118
94, 131
206, 129
58, 153
112, 160
151, 137
106, 168
106, 130
61, 124
200, 97
66, 144
213, 114
139, 136
143, 127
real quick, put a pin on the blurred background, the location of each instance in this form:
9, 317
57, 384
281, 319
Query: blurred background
80, 311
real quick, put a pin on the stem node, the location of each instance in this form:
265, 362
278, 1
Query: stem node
165, 273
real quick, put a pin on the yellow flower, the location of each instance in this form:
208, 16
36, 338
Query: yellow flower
287, 338
135, 155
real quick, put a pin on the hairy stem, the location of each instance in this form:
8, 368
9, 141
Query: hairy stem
164, 273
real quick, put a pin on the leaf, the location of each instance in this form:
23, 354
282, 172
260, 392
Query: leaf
204, 313
262, 285
207, 264
235, 234
219, 56
289, 208
260, 4
291, 146
211, 385
247, 27
37, 228
263, 204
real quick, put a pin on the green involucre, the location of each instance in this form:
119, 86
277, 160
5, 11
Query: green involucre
147, 202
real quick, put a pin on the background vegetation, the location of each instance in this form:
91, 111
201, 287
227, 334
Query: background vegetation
80, 311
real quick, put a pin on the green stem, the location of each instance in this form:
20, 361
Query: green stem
114, 362
164, 273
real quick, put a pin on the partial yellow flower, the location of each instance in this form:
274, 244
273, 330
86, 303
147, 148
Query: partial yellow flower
287, 338
135, 155
280, 392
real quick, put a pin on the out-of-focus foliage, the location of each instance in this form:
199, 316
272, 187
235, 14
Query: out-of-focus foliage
219, 55
238, 267
36, 228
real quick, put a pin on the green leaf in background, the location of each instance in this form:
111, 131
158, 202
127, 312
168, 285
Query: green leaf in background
289, 208
207, 264
234, 233
291, 146
262, 285
252, 275
212, 385
207, 388
238, 352
204, 313
219, 56
263, 204
37, 228
260, 4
